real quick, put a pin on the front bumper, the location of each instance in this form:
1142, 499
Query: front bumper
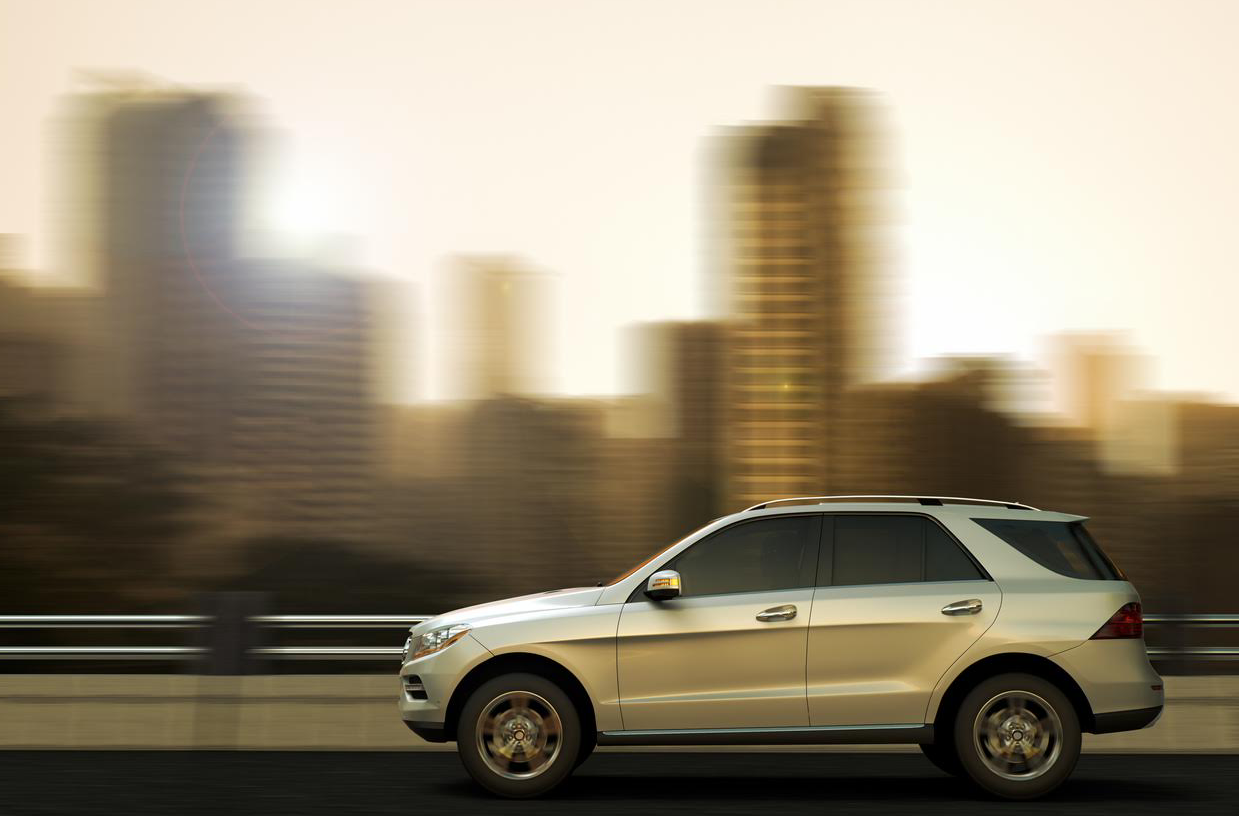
439, 674
431, 732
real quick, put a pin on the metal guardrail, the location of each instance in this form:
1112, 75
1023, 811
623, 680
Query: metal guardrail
1193, 653
102, 621
323, 622
174, 653
1194, 620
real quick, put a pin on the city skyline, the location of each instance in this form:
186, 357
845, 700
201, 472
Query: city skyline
284, 441
1073, 179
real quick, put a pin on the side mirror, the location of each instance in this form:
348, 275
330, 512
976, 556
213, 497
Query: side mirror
663, 585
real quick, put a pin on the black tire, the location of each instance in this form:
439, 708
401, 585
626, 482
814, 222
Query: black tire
588, 743
1017, 736
521, 709
942, 754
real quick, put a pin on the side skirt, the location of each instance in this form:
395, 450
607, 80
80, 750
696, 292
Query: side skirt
810, 735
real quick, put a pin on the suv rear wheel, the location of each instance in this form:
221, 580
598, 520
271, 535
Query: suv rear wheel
1017, 736
518, 735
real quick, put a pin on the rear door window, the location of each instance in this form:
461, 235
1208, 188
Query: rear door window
1064, 547
891, 549
945, 560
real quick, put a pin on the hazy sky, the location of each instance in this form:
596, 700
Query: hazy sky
1061, 165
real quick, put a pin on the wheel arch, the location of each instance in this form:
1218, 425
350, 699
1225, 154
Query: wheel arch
1007, 663
512, 662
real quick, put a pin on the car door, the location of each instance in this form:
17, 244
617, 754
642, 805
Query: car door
898, 601
730, 651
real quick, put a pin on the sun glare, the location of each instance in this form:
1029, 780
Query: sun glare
299, 203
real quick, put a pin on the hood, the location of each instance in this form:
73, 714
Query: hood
555, 599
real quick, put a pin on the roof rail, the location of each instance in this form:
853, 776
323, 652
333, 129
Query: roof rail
936, 501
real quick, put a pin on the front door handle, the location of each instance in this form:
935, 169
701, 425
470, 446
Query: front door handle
777, 613
969, 607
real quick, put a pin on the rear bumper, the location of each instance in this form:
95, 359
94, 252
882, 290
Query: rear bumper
1119, 683
1132, 720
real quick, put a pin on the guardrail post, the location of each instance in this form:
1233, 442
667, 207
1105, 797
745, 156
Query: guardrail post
231, 639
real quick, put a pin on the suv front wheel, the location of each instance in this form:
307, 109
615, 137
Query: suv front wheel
1017, 736
518, 735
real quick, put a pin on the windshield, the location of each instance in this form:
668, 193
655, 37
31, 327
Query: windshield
653, 557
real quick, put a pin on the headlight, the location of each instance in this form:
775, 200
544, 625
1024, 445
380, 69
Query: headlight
436, 640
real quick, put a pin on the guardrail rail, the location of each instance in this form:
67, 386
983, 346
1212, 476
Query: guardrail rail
182, 652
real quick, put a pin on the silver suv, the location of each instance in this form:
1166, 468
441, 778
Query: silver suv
989, 633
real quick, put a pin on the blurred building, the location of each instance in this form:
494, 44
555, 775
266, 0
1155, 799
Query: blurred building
1096, 371
801, 203
159, 180
500, 334
36, 352
508, 489
258, 373
303, 426
46, 342
679, 368
423, 439
1209, 450
1186, 437
932, 438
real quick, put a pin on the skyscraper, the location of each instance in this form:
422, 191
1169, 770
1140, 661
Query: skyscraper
157, 201
500, 335
800, 199
680, 365
254, 371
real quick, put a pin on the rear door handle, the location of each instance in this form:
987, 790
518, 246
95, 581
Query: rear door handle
777, 613
969, 607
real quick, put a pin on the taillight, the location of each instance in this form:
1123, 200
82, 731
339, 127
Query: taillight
1128, 622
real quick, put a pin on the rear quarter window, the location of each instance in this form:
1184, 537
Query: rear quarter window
1064, 547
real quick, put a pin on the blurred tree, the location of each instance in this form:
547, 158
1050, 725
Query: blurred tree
327, 577
88, 516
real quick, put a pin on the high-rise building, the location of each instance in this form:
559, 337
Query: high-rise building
255, 371
499, 340
680, 390
301, 421
156, 207
802, 205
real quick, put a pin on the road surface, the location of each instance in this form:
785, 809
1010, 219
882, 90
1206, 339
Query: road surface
779, 784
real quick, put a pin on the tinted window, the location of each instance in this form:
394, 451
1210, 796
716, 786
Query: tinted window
877, 549
945, 560
893, 549
1062, 546
756, 556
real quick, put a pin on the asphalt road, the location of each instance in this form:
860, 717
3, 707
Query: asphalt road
223, 782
